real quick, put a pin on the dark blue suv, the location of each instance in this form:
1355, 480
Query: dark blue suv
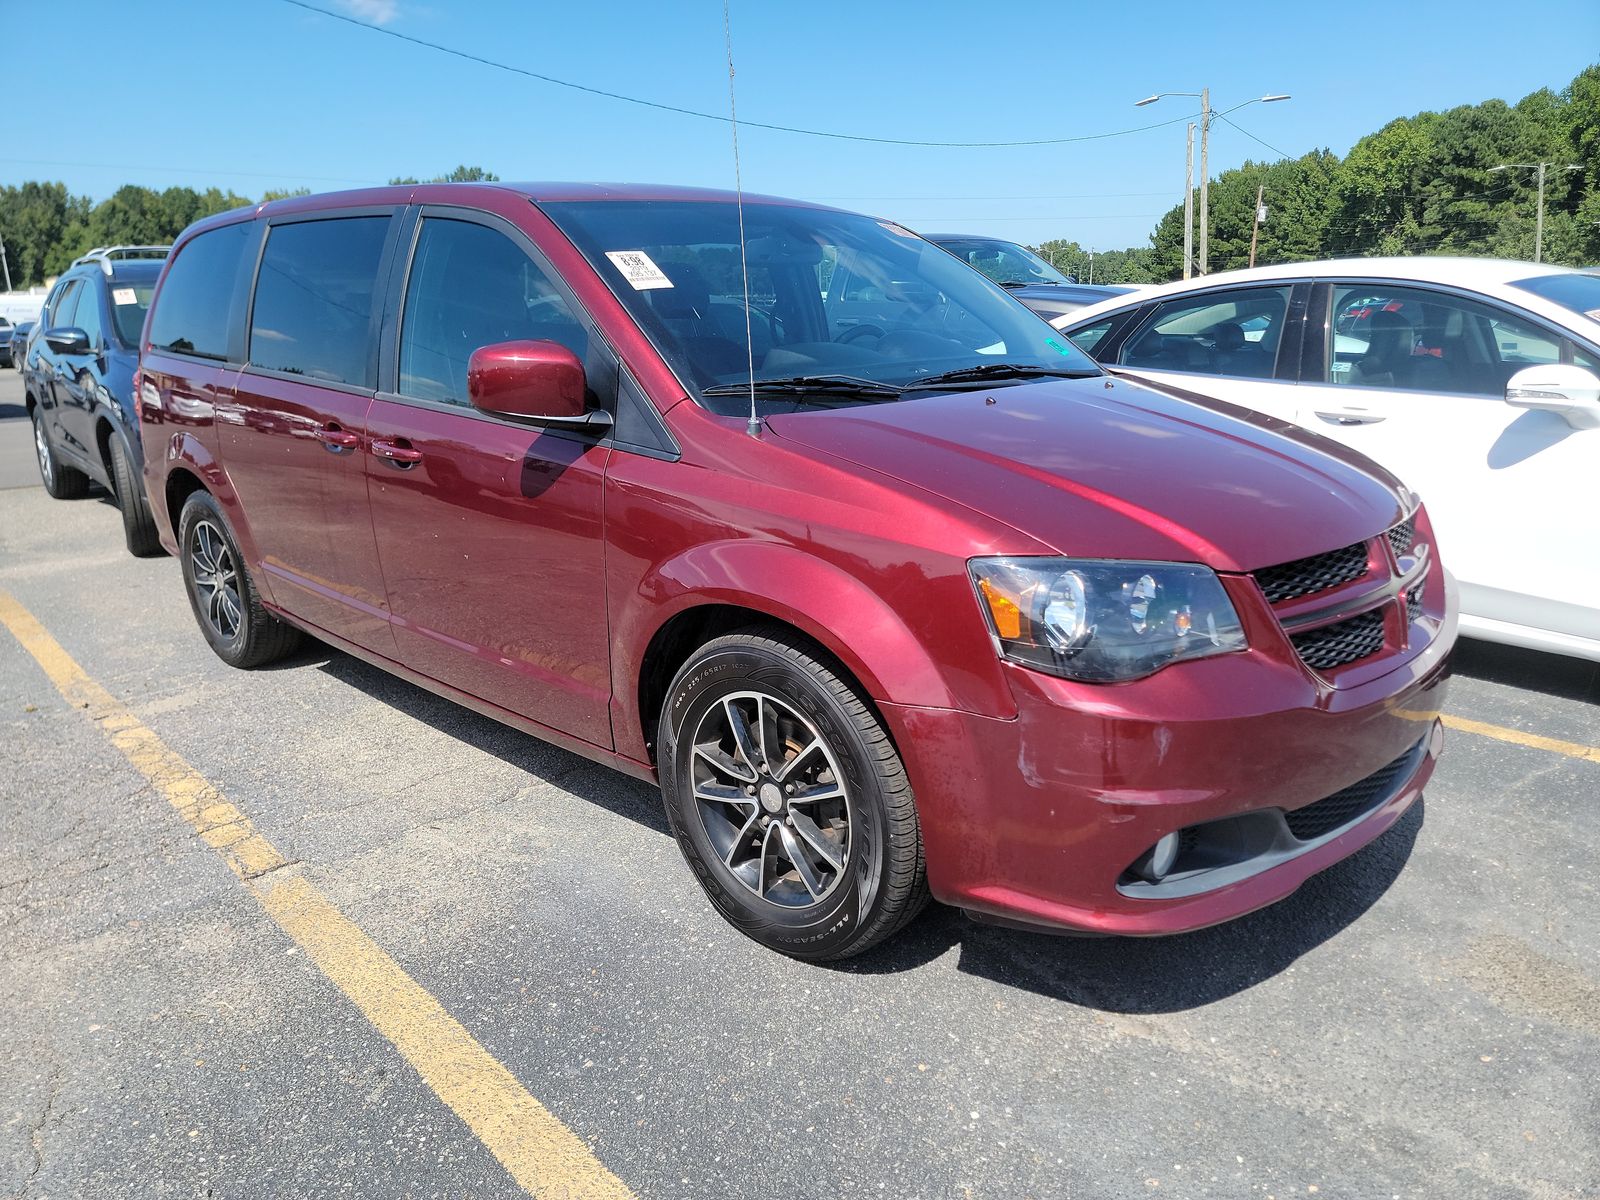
79, 379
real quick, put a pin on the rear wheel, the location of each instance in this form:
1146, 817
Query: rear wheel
138, 523
224, 598
61, 481
788, 798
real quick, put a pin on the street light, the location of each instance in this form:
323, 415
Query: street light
1204, 96
1538, 225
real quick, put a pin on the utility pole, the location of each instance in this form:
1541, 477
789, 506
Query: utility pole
1538, 224
1091, 265
1188, 206
1205, 178
5, 262
1206, 114
1255, 225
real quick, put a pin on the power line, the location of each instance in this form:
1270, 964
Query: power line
1254, 138
706, 116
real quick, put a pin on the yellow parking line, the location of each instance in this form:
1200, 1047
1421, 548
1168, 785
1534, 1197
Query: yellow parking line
1517, 737
542, 1155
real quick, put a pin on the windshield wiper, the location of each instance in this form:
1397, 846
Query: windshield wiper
814, 385
998, 371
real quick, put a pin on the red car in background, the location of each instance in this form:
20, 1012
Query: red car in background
921, 603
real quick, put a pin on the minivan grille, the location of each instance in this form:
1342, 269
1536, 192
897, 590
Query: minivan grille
1402, 535
1413, 604
1336, 645
1345, 805
1303, 576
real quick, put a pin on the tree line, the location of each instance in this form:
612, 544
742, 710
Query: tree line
1424, 184
45, 227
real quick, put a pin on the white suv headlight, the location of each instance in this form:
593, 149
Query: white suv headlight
1104, 621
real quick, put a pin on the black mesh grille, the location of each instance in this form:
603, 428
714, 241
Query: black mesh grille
1414, 603
1335, 645
1304, 576
1402, 535
1345, 805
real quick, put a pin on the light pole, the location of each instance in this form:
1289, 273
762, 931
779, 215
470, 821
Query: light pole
1538, 224
1204, 96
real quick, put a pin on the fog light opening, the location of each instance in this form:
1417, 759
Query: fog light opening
1159, 859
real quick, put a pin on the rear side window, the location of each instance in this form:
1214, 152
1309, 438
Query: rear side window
197, 296
1220, 333
314, 297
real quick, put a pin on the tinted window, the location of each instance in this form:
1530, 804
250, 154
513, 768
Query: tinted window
1576, 291
1003, 262
66, 303
196, 299
472, 286
313, 305
87, 316
1087, 337
1410, 339
1220, 333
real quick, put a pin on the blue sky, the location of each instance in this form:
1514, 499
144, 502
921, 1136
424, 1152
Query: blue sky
253, 94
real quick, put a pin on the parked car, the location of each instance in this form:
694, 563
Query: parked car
1476, 381
931, 606
1025, 274
7, 345
79, 383
20, 333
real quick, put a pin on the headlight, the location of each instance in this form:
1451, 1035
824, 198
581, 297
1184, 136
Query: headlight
1104, 621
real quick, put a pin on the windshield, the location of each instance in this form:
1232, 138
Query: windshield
129, 303
831, 294
1575, 291
1003, 262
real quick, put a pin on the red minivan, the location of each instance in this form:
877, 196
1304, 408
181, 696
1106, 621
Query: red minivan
893, 590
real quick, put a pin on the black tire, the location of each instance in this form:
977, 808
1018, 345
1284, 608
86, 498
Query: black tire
138, 523
880, 882
226, 605
61, 481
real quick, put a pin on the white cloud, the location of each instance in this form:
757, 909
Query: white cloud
379, 12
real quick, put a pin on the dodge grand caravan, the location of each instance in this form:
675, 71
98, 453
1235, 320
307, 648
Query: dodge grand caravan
922, 604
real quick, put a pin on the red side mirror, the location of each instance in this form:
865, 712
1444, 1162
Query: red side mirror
536, 380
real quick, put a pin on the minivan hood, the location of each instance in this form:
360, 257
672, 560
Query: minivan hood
1108, 468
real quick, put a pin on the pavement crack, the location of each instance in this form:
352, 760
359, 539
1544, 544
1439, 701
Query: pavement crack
36, 1132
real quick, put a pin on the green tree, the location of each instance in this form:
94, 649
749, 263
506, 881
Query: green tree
462, 174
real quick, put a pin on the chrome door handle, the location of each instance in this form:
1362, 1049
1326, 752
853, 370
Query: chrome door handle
1347, 416
398, 454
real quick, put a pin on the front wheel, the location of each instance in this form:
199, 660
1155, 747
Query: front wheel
788, 798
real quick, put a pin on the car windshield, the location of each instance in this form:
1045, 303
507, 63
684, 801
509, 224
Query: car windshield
129, 302
1003, 262
1573, 290
864, 303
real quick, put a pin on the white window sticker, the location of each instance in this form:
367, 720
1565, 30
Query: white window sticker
124, 296
639, 269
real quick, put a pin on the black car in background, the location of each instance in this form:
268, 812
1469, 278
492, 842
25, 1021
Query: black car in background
20, 332
1024, 274
78, 377
7, 342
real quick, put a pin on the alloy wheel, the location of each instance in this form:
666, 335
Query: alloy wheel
216, 579
41, 447
772, 799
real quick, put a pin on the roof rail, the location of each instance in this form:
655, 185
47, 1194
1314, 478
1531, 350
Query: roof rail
105, 255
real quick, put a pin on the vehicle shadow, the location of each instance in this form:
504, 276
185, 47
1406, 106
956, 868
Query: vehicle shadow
1165, 974
11, 412
1531, 670
1125, 975
600, 785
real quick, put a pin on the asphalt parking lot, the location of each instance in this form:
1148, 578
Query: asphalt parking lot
513, 929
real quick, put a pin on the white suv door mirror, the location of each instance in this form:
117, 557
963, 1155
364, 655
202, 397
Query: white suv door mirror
1571, 392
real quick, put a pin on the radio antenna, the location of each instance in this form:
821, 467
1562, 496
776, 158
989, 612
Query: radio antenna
753, 428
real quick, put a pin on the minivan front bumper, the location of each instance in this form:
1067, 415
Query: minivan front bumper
1037, 820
